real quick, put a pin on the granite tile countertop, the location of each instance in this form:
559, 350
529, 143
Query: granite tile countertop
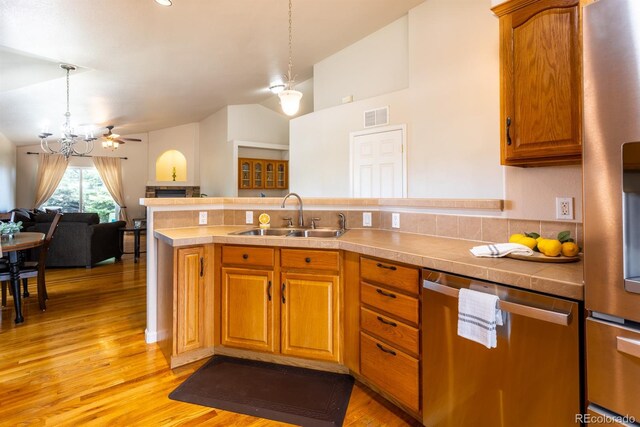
439, 253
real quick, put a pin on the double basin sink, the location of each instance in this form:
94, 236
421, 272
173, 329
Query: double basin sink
292, 232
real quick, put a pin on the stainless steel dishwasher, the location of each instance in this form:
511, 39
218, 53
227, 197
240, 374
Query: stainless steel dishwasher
532, 378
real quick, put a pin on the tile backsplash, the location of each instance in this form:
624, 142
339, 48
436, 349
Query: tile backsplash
478, 228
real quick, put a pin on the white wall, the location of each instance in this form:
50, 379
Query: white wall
455, 104
216, 167
373, 66
254, 122
133, 175
319, 147
184, 138
7, 174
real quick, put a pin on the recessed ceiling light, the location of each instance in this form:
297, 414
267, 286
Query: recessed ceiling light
164, 2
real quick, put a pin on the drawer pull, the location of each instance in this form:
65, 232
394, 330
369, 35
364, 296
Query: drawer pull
386, 294
245, 256
388, 267
628, 346
386, 350
201, 266
307, 260
269, 290
386, 322
284, 300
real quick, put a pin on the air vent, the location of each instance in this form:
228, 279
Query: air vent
377, 117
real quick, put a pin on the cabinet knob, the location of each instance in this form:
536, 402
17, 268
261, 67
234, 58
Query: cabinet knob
245, 256
307, 260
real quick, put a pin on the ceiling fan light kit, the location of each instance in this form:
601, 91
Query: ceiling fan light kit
69, 143
290, 98
164, 2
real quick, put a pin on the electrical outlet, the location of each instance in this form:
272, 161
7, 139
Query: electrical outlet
366, 219
395, 220
202, 218
248, 217
564, 207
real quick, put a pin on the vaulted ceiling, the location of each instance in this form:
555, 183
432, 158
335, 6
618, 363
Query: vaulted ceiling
144, 67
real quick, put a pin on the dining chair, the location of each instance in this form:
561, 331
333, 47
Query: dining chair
33, 269
6, 216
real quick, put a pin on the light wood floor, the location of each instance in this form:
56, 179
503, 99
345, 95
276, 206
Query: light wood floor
84, 361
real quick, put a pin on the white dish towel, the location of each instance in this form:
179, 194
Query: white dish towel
478, 316
501, 249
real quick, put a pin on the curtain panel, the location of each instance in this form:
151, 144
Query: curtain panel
51, 168
110, 172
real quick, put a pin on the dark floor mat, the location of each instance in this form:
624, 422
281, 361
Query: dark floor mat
283, 393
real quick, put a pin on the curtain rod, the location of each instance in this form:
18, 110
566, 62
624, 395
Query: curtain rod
75, 155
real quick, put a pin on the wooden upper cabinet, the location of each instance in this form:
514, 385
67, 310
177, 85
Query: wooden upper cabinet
262, 173
541, 82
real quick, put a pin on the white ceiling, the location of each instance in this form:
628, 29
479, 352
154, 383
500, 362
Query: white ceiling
145, 67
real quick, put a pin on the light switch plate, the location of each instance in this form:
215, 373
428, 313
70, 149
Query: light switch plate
366, 219
395, 220
202, 218
248, 217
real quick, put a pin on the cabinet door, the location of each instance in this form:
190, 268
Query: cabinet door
270, 174
541, 79
258, 174
310, 316
190, 299
282, 175
247, 309
244, 174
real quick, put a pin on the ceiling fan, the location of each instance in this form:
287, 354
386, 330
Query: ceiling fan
113, 140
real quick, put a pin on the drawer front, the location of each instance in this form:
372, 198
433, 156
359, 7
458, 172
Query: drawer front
390, 274
395, 304
391, 370
244, 255
613, 367
310, 259
390, 330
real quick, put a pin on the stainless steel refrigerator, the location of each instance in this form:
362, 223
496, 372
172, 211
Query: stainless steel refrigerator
611, 167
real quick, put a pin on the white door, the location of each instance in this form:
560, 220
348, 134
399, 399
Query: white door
377, 164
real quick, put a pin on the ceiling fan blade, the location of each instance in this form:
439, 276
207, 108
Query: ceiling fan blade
119, 141
131, 139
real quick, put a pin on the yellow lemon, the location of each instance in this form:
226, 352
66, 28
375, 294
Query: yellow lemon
530, 242
264, 218
550, 247
515, 237
570, 249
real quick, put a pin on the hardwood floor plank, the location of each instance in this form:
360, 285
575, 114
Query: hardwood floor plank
84, 361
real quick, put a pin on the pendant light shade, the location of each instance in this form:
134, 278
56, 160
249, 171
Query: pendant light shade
290, 101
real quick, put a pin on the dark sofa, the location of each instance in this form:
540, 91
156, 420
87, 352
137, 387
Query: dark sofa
80, 240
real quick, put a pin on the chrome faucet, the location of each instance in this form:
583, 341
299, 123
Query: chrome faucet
342, 220
300, 214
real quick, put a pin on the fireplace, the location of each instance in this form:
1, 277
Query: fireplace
172, 191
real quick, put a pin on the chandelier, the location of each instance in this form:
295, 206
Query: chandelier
289, 98
69, 143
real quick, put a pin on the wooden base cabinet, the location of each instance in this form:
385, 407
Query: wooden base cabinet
247, 309
390, 330
186, 320
299, 316
309, 316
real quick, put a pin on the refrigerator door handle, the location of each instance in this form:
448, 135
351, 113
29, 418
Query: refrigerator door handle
511, 307
628, 346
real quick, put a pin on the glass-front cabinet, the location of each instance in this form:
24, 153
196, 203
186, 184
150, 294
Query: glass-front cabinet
262, 173
244, 173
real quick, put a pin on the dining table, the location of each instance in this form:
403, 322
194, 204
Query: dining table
12, 247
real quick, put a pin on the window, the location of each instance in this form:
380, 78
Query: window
82, 190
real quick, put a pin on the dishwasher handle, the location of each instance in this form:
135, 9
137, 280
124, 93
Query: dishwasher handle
511, 307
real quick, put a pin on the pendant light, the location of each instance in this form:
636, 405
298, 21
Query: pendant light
290, 98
